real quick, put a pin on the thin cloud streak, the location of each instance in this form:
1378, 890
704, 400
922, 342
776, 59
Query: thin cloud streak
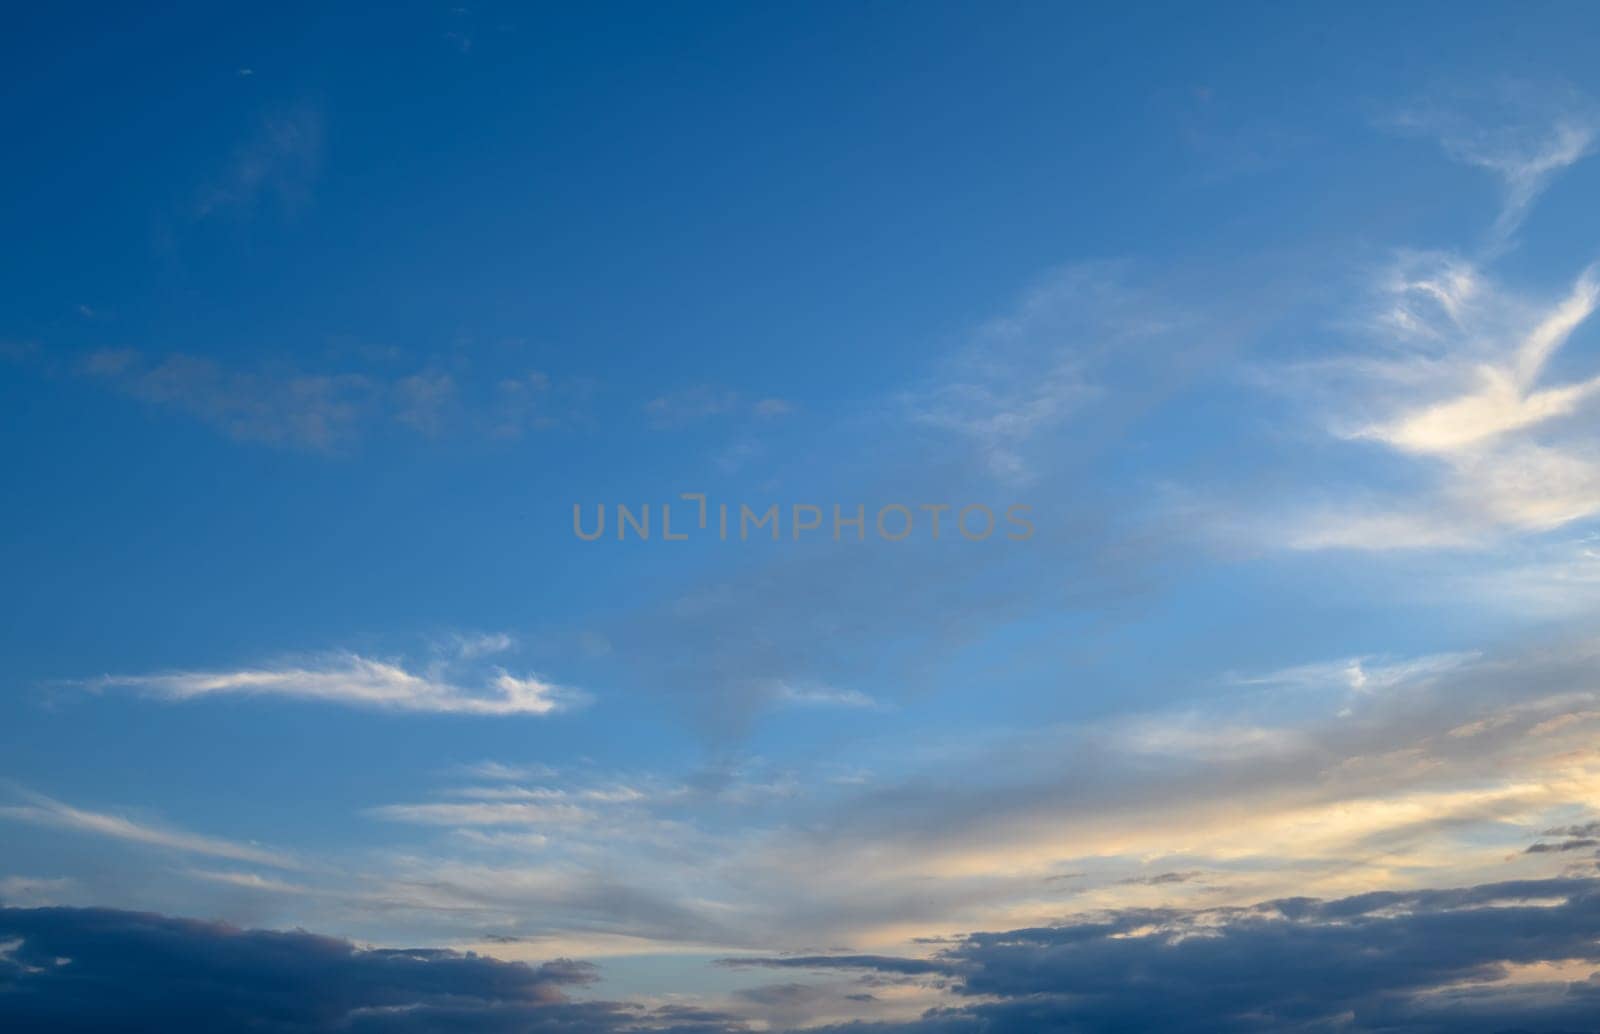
44, 811
357, 681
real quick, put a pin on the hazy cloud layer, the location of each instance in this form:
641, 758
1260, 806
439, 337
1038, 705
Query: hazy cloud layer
333, 410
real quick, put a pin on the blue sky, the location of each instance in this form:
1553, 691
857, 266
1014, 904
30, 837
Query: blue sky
1276, 320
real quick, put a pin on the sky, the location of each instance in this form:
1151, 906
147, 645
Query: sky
716, 518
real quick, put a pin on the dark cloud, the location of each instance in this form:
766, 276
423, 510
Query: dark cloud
877, 963
1161, 879
1588, 829
1575, 844
65, 969
1422, 961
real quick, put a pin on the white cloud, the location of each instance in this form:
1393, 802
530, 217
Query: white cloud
357, 681
510, 773
1506, 448
250, 881
1524, 135
825, 696
43, 811
1460, 384
1360, 674
1462, 377
1502, 393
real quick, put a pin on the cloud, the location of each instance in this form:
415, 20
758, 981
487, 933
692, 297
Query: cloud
1017, 412
535, 401
826, 696
357, 681
1362, 674
1554, 578
1471, 401
285, 405
1162, 879
281, 159
456, 814
1575, 844
771, 407
43, 811
470, 647
501, 771
1428, 773
313, 411
881, 963
34, 890
1425, 961
249, 881
1377, 530
1463, 379
1028, 371
1330, 778
98, 969
1522, 133
1502, 393
1421, 961
422, 401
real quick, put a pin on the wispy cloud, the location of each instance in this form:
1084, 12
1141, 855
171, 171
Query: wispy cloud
280, 159
43, 811
286, 405
1460, 375
1554, 579
357, 681
1360, 674
535, 401
497, 770
704, 401
482, 813
1502, 393
1521, 132
250, 881
825, 696
1039, 365
1464, 390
